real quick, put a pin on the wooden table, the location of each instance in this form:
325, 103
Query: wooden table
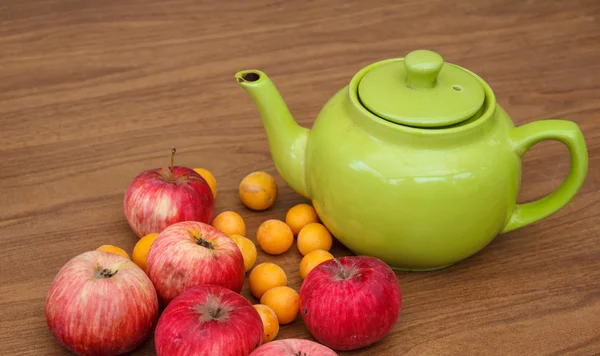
92, 93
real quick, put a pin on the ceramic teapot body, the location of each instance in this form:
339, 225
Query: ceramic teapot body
418, 198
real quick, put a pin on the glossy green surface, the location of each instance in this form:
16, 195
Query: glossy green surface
417, 198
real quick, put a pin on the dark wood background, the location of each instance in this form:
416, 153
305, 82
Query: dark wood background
94, 92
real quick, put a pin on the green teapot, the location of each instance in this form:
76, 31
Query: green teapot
413, 162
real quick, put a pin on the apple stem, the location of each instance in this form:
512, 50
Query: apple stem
202, 242
105, 273
173, 150
343, 272
216, 313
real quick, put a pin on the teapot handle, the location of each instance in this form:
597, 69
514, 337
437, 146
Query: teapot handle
567, 132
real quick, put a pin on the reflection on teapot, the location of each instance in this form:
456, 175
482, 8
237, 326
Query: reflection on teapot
413, 162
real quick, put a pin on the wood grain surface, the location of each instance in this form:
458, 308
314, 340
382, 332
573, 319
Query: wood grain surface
94, 92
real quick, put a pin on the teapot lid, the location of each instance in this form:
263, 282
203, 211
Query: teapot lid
421, 90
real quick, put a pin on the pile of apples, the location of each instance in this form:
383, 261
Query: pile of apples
102, 303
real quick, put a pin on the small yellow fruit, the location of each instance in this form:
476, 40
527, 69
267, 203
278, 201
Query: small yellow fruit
141, 249
265, 276
284, 301
230, 223
312, 260
269, 320
299, 216
314, 236
209, 178
248, 250
113, 249
258, 190
274, 237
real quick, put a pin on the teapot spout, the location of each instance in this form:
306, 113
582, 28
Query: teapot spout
287, 140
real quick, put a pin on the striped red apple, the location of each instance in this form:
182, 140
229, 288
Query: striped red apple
161, 197
208, 320
101, 303
350, 302
293, 347
191, 253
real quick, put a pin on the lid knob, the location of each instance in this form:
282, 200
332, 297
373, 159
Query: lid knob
422, 69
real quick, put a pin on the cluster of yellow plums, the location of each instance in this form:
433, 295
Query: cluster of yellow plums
279, 303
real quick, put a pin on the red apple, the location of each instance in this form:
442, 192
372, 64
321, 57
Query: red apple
161, 197
350, 302
190, 253
101, 303
293, 347
208, 320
